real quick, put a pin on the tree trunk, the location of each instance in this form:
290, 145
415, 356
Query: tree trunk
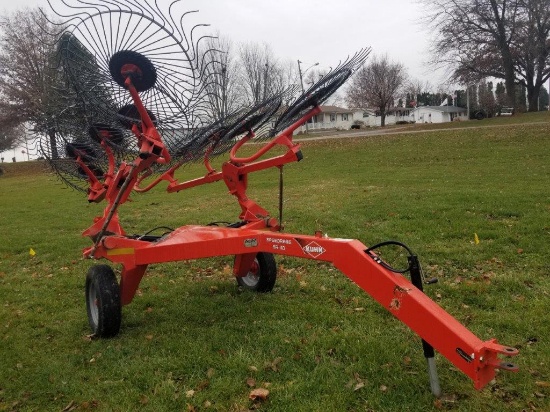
506, 55
509, 76
53, 144
383, 118
533, 97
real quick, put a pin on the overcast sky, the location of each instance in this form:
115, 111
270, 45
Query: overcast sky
325, 31
315, 31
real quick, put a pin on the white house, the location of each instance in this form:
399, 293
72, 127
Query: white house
334, 117
372, 118
331, 117
438, 114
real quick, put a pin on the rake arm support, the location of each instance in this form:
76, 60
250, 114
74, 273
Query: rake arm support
282, 140
476, 358
208, 178
149, 140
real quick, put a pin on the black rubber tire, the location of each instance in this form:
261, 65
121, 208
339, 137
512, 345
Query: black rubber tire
103, 301
261, 278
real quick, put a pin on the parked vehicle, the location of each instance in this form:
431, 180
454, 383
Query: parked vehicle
478, 115
506, 111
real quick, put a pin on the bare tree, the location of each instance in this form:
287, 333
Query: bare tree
32, 88
288, 76
221, 72
531, 48
261, 74
500, 94
486, 98
376, 84
11, 137
312, 76
414, 88
474, 38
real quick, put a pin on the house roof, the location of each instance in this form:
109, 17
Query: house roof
444, 109
375, 109
334, 109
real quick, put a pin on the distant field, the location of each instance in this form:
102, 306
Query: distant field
193, 341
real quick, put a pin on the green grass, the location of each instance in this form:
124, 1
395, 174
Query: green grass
191, 339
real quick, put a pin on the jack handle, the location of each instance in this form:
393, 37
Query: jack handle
417, 280
429, 353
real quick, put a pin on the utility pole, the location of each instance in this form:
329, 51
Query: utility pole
224, 95
302, 78
265, 80
468, 100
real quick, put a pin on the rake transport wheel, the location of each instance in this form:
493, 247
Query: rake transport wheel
262, 275
103, 301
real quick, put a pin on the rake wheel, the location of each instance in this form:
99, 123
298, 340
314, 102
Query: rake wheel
102, 44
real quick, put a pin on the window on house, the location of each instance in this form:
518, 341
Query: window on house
365, 114
332, 117
345, 117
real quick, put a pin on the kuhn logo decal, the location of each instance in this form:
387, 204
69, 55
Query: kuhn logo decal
313, 249
251, 242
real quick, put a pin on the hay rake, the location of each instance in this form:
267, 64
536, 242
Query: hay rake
143, 86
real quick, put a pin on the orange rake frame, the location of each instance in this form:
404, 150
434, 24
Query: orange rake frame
259, 233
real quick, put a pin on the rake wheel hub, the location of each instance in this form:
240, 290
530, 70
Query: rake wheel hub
130, 63
128, 115
100, 132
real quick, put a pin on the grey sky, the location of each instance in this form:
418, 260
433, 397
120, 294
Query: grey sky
325, 31
315, 31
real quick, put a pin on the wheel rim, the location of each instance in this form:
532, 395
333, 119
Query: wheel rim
93, 305
253, 276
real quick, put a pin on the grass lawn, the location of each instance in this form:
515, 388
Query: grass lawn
192, 341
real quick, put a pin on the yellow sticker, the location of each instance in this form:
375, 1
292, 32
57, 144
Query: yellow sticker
121, 251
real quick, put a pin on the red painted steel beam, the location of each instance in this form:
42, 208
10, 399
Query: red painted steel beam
476, 358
